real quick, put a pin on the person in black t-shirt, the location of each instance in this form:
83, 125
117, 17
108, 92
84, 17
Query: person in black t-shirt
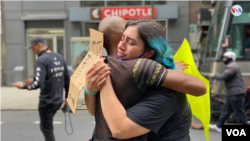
51, 76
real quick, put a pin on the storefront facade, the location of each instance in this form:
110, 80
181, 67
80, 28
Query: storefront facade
173, 15
59, 21
25, 19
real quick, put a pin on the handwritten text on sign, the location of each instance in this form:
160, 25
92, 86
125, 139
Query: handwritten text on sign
78, 79
80, 74
96, 43
71, 100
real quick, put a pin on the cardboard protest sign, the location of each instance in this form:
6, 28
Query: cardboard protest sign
96, 42
78, 79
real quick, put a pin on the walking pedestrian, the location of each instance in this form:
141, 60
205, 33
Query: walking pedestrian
51, 76
236, 91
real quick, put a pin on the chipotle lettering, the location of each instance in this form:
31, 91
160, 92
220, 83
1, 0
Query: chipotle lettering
129, 12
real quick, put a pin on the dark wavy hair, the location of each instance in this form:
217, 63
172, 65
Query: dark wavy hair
154, 37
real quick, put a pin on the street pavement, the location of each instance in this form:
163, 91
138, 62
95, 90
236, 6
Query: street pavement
24, 126
21, 99
20, 119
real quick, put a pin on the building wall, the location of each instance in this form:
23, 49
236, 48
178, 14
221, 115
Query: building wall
194, 9
1, 47
1, 62
15, 27
179, 29
195, 28
16, 30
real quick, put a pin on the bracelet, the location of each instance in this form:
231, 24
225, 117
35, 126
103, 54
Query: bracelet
89, 91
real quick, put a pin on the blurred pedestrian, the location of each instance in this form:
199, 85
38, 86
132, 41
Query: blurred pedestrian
236, 91
51, 76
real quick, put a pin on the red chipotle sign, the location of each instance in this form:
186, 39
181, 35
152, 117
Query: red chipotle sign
129, 12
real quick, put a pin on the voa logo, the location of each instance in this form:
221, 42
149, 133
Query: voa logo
236, 132
236, 10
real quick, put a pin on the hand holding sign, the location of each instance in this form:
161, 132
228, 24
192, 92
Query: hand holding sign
101, 74
100, 61
97, 75
77, 80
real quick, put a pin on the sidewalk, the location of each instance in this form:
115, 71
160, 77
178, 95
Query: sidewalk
17, 99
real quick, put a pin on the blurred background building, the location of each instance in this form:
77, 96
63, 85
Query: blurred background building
200, 17
1, 62
1, 41
60, 21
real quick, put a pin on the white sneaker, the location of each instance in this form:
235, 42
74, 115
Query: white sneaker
215, 127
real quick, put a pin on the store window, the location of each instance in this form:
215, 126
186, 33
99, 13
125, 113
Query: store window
90, 25
155, 2
239, 41
215, 33
240, 33
163, 23
92, 3
123, 3
245, 16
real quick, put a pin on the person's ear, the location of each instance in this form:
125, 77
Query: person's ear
40, 45
149, 54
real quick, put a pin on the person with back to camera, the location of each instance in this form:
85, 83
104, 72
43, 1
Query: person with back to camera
51, 76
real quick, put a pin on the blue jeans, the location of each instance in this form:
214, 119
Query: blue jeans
234, 103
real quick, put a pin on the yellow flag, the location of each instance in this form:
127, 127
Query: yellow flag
200, 105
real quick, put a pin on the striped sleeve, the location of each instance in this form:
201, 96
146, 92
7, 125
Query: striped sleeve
39, 79
148, 73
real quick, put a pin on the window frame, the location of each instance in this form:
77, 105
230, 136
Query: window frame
46, 35
242, 40
143, 3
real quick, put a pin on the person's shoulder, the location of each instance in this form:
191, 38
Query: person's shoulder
52, 56
57, 54
233, 64
145, 62
42, 58
144, 65
111, 59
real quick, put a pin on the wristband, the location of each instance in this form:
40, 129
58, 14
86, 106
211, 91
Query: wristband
89, 91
